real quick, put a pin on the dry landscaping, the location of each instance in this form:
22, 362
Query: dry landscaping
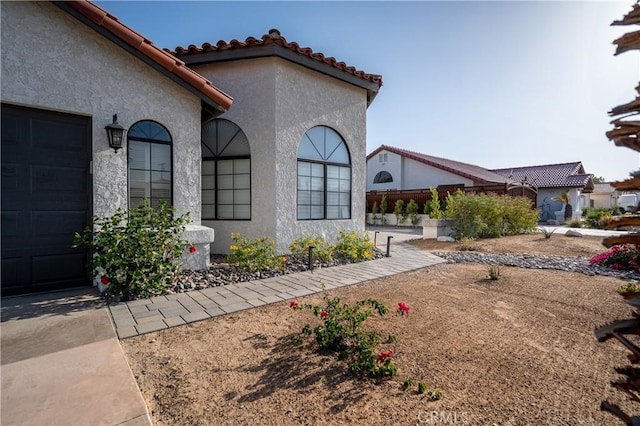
516, 351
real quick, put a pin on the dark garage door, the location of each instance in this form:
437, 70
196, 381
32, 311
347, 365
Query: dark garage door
46, 197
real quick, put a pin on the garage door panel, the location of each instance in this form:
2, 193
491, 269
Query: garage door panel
56, 224
46, 197
10, 129
57, 136
46, 179
10, 268
11, 224
65, 267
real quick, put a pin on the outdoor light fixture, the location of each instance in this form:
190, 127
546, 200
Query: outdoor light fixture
115, 133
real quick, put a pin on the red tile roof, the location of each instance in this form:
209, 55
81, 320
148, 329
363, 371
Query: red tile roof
167, 61
274, 38
564, 175
469, 171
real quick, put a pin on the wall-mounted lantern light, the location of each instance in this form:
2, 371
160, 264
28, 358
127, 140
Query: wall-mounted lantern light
115, 133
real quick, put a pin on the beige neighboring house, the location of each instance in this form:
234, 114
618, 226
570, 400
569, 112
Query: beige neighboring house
261, 137
604, 196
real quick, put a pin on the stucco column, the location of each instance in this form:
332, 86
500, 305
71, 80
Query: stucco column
197, 252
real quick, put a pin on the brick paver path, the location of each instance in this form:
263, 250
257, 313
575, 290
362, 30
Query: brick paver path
157, 313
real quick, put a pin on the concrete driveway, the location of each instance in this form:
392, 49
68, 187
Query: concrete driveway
62, 364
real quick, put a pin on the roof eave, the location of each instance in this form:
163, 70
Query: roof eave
275, 50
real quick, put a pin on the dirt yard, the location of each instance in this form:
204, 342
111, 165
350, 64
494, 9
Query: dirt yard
517, 351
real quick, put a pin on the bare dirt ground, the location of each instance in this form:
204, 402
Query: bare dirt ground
517, 351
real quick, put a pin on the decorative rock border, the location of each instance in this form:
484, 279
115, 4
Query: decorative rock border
559, 263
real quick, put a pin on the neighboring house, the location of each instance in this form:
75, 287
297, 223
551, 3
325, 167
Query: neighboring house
287, 159
551, 180
603, 196
389, 167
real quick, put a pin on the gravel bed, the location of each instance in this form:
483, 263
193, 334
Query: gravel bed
221, 273
560, 263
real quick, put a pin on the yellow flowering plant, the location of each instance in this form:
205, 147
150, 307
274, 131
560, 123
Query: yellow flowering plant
254, 255
355, 246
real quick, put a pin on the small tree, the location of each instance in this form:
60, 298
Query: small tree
398, 210
412, 212
374, 212
434, 207
384, 204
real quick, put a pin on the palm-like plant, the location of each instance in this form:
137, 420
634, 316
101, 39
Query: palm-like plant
565, 200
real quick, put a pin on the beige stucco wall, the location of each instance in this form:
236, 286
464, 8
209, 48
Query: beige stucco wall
50, 60
276, 102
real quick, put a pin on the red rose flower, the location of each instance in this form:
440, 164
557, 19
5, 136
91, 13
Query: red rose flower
324, 314
403, 308
382, 357
104, 280
293, 304
192, 249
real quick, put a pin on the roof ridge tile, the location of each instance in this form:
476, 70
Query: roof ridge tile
274, 36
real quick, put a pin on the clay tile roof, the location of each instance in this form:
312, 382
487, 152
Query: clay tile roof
567, 175
469, 171
165, 60
274, 38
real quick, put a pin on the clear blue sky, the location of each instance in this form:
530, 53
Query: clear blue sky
497, 84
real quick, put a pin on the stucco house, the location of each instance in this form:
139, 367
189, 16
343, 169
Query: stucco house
550, 180
261, 137
604, 195
392, 168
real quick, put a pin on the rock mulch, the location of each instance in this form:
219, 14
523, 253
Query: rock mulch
221, 273
560, 263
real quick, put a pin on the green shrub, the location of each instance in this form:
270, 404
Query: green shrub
597, 218
489, 216
384, 204
630, 289
135, 253
355, 246
494, 272
575, 224
340, 332
412, 212
254, 256
467, 244
433, 208
547, 232
398, 211
322, 250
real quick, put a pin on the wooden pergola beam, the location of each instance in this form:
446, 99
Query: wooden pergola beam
621, 239
626, 220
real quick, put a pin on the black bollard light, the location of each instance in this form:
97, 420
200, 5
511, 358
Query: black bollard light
375, 238
389, 245
310, 260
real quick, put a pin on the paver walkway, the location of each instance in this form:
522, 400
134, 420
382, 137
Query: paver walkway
157, 313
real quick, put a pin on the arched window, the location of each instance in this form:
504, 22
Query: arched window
226, 172
150, 164
383, 177
324, 176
